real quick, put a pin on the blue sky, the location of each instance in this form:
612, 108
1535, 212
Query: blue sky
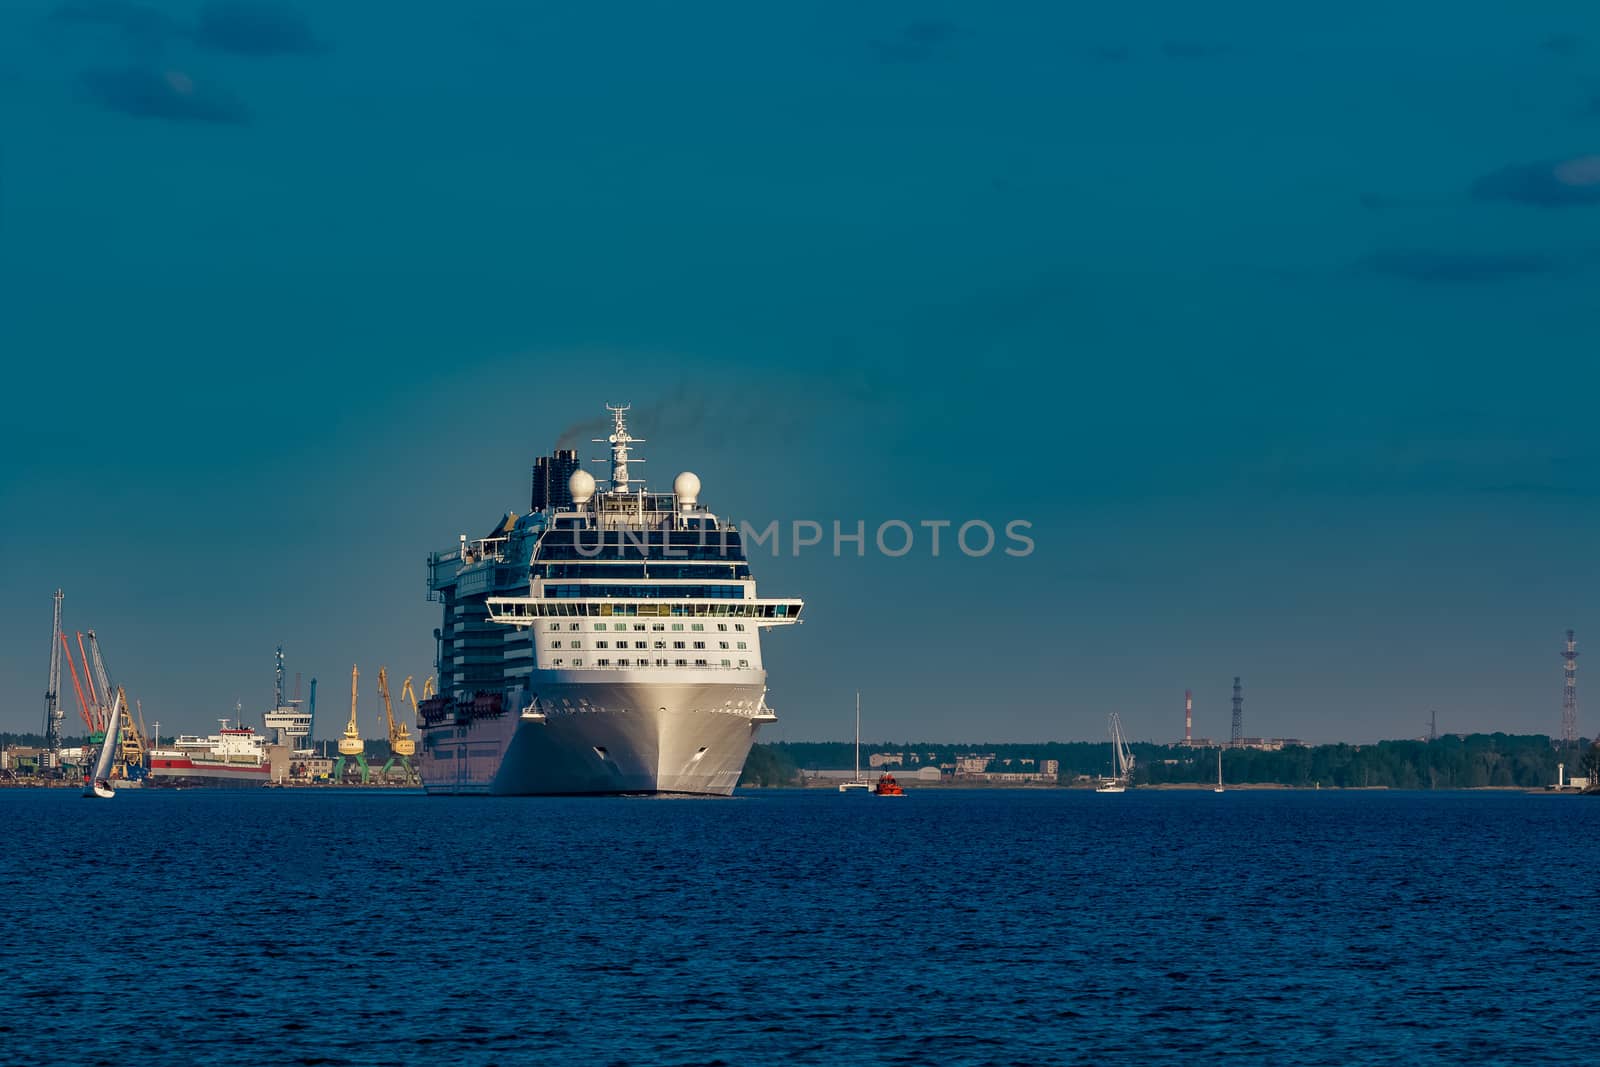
1279, 329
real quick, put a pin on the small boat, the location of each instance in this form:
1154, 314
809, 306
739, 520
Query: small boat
1219, 788
888, 787
100, 784
857, 782
1121, 759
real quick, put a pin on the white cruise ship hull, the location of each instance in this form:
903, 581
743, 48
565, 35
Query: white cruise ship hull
631, 736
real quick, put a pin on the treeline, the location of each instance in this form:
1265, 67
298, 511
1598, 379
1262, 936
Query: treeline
1469, 761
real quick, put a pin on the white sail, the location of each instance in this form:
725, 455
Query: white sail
108, 749
1121, 758
1122, 754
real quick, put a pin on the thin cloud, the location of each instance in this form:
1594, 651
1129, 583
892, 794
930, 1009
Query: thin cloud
919, 42
254, 29
1565, 45
172, 95
1458, 267
1564, 183
1188, 50
1109, 53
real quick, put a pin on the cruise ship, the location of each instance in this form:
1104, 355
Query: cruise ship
608, 641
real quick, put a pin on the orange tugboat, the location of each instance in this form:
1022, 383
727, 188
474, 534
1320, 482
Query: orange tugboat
888, 787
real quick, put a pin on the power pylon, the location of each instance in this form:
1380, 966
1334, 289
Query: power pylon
1569, 694
1238, 713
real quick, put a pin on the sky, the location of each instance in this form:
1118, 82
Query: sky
1277, 328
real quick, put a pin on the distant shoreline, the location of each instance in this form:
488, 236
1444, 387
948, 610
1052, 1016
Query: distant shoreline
912, 784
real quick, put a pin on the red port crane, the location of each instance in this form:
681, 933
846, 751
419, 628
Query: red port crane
83, 705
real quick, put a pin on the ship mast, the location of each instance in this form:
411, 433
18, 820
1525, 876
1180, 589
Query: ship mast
619, 440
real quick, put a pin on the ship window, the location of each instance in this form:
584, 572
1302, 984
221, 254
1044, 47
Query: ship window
681, 662
577, 644
677, 626
639, 625
722, 626
602, 644
603, 662
739, 626
725, 663
640, 644
741, 644
699, 663
697, 625
643, 662
558, 661
555, 644
661, 663
677, 644
661, 644
555, 626
722, 644
573, 625
744, 663
577, 663
658, 626
699, 644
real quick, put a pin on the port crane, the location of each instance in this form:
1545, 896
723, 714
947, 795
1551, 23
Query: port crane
351, 747
53, 713
96, 709
83, 705
131, 744
401, 746
408, 693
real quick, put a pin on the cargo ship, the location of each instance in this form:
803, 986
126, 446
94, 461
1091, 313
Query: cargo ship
234, 758
608, 641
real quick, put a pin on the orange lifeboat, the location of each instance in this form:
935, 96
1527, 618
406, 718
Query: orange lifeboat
888, 787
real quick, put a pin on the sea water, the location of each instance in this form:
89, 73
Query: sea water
948, 927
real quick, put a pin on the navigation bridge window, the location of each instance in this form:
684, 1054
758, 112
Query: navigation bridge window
744, 610
618, 589
702, 571
566, 544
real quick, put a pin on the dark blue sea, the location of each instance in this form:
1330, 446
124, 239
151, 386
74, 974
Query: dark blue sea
957, 927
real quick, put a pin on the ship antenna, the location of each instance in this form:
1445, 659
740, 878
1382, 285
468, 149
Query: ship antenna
619, 441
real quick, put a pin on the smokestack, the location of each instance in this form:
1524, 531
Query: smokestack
1188, 717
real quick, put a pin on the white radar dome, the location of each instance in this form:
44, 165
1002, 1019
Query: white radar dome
581, 485
687, 488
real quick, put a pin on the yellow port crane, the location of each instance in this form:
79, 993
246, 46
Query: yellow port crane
351, 747
408, 693
131, 745
401, 746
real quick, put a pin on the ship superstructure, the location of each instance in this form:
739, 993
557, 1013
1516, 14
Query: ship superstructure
290, 723
608, 642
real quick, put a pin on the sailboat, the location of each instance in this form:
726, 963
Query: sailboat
1219, 789
1121, 759
857, 782
100, 784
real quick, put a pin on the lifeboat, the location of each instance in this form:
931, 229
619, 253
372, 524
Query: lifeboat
888, 787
